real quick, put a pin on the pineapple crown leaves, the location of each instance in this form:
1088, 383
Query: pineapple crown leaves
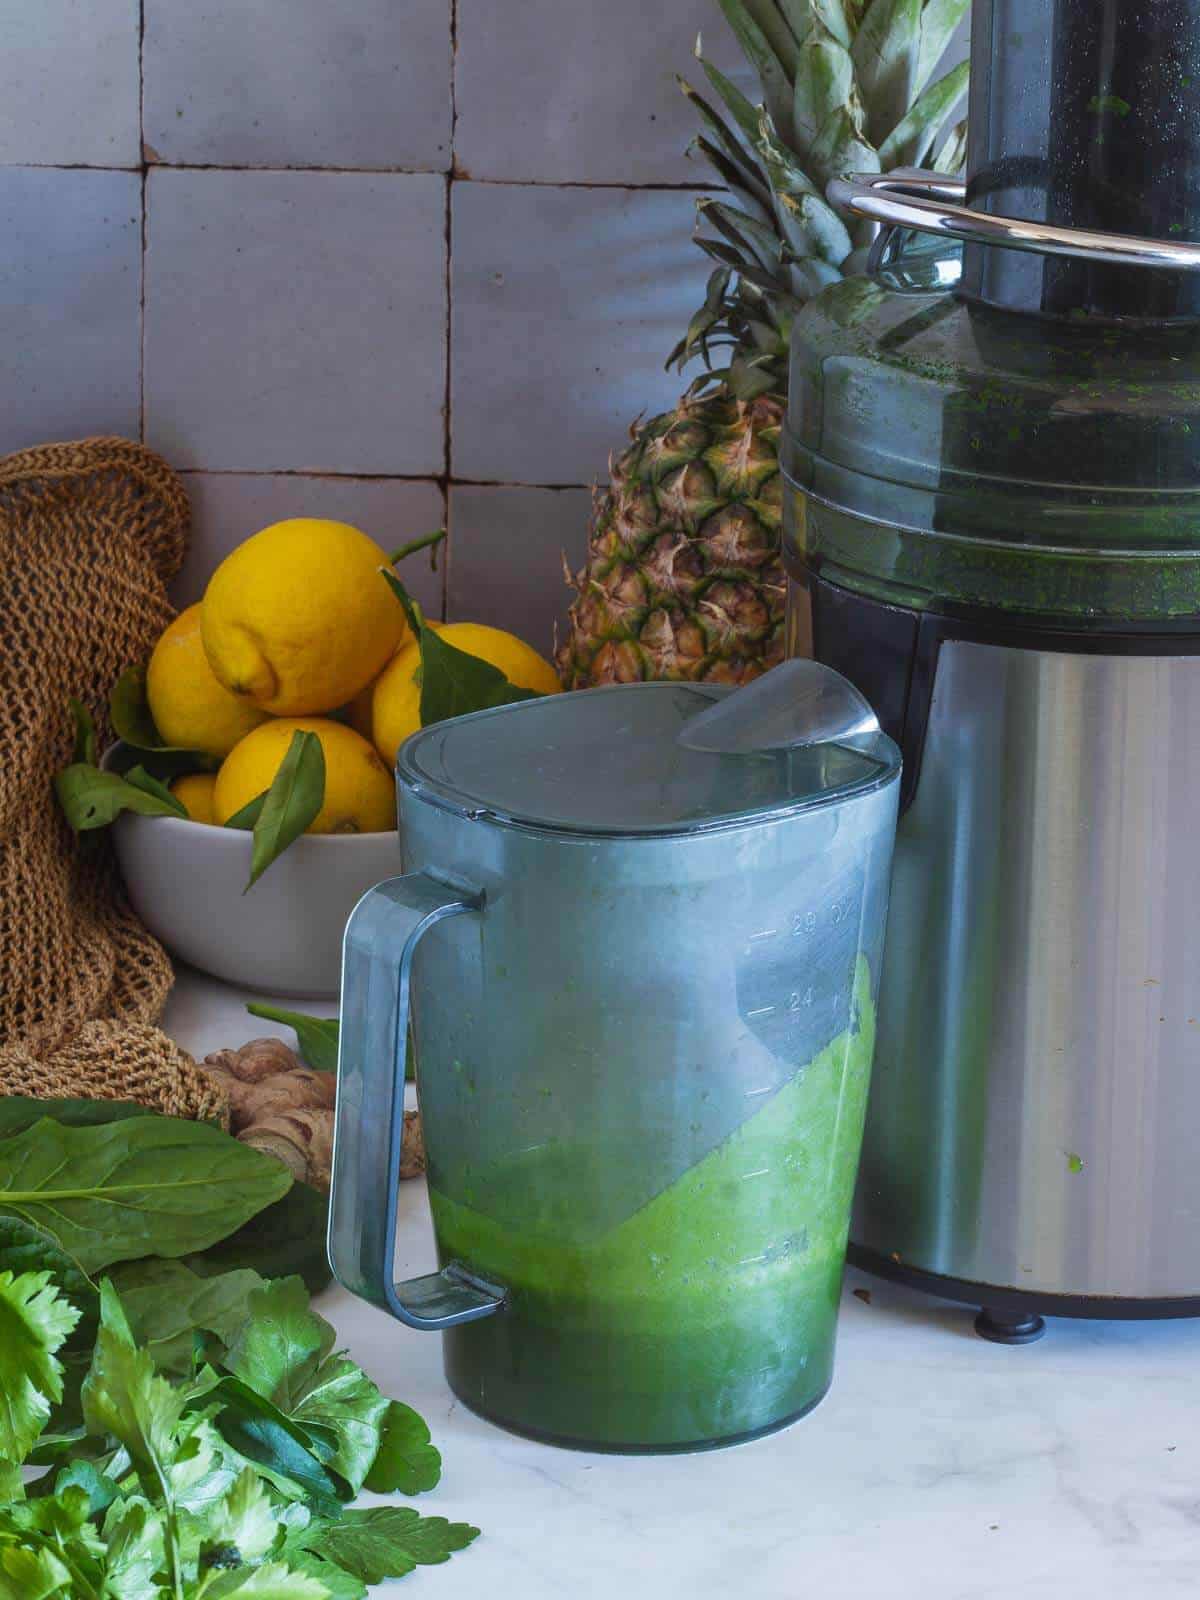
847, 85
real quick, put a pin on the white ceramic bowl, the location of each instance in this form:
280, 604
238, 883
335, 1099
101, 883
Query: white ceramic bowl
284, 937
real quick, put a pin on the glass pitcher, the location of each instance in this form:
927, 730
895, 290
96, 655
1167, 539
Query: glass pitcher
642, 989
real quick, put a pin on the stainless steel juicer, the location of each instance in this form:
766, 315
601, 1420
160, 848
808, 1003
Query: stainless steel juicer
993, 530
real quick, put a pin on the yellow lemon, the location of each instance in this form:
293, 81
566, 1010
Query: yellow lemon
358, 712
190, 708
195, 792
359, 797
396, 706
298, 619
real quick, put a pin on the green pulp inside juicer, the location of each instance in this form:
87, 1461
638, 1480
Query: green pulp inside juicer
956, 456
708, 1313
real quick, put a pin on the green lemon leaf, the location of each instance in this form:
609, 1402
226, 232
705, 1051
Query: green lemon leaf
148, 1186
91, 798
383, 1542
148, 784
406, 1463
296, 795
453, 682
317, 1037
85, 734
129, 713
35, 1321
248, 815
285, 1238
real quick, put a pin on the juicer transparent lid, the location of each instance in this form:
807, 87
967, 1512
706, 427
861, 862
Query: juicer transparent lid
926, 410
609, 762
944, 454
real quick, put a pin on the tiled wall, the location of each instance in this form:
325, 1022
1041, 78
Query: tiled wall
398, 261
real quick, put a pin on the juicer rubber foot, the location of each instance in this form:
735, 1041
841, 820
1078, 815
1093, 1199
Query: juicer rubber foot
1009, 1327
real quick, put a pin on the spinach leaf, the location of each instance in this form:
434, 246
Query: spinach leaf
317, 1037
285, 1238
148, 1186
19, 1111
24, 1248
167, 1305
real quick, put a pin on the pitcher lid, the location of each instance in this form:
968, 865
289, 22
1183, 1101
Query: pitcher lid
607, 761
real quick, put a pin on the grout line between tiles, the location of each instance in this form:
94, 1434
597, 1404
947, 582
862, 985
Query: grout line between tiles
443, 482
447, 413
365, 172
143, 231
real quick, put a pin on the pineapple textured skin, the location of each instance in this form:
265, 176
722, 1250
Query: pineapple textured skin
683, 577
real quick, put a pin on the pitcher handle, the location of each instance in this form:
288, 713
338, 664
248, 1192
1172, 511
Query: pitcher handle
369, 1122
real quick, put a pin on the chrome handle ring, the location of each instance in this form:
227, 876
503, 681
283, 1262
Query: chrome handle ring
929, 202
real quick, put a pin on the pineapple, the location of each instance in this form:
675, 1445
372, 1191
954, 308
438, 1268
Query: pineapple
683, 576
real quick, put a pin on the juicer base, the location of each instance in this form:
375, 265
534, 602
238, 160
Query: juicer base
1002, 1305
698, 1447
1012, 1327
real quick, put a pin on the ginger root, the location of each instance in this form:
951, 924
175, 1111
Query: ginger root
283, 1108
302, 1140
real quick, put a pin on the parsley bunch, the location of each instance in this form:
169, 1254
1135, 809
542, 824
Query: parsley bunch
205, 1473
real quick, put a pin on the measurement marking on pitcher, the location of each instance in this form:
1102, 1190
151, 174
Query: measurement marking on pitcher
761, 1011
750, 1093
767, 933
759, 1172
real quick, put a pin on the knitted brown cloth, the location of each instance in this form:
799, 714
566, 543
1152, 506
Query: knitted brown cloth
90, 534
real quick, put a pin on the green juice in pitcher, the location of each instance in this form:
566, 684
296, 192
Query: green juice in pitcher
707, 1314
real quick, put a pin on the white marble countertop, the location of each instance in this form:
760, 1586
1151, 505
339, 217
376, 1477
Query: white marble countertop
939, 1467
